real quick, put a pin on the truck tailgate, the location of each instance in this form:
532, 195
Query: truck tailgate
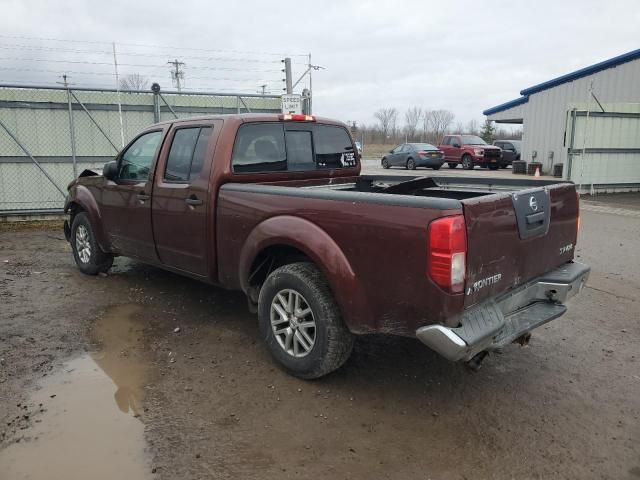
515, 237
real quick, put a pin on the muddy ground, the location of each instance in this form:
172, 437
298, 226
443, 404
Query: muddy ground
95, 382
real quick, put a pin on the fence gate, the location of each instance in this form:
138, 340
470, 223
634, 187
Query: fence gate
604, 149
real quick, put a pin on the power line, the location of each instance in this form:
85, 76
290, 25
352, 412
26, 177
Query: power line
142, 45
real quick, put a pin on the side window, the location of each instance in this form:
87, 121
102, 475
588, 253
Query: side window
186, 155
299, 150
445, 140
508, 146
333, 147
136, 161
259, 147
200, 152
398, 149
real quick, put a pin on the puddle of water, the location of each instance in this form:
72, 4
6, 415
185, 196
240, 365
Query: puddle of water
89, 427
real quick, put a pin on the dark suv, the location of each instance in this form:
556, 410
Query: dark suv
510, 151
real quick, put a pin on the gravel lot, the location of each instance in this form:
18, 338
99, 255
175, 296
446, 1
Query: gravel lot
150, 375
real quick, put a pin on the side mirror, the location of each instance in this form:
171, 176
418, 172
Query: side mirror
110, 170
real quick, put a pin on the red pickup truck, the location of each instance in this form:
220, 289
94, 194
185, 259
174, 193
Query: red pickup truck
470, 150
275, 206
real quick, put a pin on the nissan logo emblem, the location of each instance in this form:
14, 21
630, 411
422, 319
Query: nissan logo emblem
533, 203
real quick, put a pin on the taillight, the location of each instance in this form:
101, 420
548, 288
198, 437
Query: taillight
448, 252
297, 117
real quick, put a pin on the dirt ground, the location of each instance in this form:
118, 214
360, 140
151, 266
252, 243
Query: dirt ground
144, 374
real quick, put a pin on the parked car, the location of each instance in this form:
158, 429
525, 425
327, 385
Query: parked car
275, 206
413, 155
470, 150
359, 147
510, 151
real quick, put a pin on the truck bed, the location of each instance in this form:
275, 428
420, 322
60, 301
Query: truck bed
380, 225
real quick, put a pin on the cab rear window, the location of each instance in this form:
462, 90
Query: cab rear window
271, 147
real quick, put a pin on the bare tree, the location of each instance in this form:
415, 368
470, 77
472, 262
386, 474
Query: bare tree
412, 118
436, 123
472, 127
133, 81
387, 118
459, 127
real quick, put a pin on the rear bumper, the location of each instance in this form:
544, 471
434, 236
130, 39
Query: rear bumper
429, 162
500, 321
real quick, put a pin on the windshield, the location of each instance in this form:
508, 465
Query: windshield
424, 146
472, 140
517, 144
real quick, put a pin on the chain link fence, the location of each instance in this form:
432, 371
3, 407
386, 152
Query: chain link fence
48, 135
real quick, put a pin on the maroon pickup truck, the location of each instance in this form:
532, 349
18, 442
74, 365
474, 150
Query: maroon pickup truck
275, 206
471, 150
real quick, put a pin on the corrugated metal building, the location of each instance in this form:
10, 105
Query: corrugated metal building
587, 120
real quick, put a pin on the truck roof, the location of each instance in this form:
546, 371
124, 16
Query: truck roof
246, 117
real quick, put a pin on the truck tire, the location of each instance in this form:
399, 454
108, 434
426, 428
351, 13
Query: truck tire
411, 164
467, 162
385, 163
436, 167
452, 164
90, 259
301, 322
494, 166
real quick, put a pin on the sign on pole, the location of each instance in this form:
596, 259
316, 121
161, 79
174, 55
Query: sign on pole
292, 103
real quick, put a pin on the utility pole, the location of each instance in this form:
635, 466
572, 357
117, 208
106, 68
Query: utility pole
115, 66
177, 74
72, 128
287, 75
263, 89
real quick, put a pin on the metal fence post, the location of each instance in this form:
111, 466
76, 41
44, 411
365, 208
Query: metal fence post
238, 103
72, 135
155, 88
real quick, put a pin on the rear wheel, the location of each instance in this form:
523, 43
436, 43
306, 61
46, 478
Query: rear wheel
411, 164
452, 164
301, 322
86, 252
436, 167
385, 163
467, 162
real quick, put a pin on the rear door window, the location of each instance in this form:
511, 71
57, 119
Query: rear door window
186, 155
266, 147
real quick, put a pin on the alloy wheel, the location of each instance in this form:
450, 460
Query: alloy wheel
293, 323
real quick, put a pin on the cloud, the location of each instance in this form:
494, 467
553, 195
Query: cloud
464, 56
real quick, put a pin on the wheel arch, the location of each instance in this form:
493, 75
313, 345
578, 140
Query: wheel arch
286, 239
82, 200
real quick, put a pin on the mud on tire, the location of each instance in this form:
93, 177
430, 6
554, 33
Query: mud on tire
89, 258
332, 343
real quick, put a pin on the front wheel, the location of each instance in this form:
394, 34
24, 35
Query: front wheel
301, 322
436, 167
385, 163
494, 166
411, 164
86, 252
467, 162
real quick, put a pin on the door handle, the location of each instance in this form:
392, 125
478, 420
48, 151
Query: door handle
143, 196
193, 201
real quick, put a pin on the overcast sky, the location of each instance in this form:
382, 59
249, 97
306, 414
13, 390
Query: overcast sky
464, 56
